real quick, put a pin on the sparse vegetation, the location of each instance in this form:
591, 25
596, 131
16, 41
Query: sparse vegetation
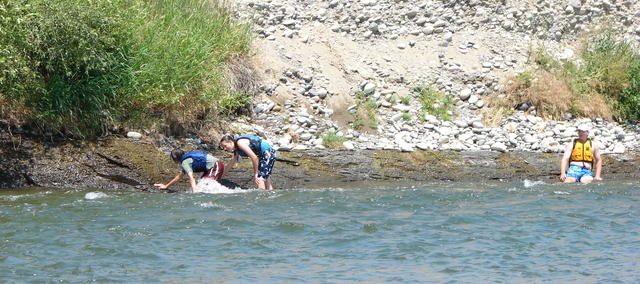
405, 100
406, 116
604, 82
435, 102
80, 67
332, 140
366, 112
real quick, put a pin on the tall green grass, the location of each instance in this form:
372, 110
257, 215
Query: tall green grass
79, 67
609, 67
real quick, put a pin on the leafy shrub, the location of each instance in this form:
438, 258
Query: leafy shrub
332, 140
435, 102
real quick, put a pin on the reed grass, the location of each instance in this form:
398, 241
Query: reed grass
82, 67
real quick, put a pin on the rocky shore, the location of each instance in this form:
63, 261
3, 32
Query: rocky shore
135, 164
316, 57
320, 60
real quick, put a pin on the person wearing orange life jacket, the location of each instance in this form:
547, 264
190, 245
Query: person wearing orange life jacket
195, 161
581, 156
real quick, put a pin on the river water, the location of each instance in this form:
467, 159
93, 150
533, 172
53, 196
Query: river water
517, 232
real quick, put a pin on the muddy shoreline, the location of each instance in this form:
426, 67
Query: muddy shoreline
122, 163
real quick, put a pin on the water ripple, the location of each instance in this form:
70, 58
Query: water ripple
517, 232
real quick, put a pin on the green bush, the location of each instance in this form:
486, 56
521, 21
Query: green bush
609, 67
80, 66
435, 102
332, 140
368, 107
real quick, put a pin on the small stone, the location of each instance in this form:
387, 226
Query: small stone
499, 146
369, 88
348, 145
465, 94
134, 135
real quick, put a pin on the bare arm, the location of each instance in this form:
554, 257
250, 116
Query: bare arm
244, 146
231, 163
598, 160
192, 182
174, 180
564, 163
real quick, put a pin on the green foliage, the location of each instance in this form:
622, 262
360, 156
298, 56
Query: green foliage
367, 107
405, 100
609, 67
435, 102
526, 79
406, 116
79, 66
332, 140
545, 60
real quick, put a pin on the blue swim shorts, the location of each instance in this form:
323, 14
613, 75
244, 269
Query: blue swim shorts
578, 172
265, 166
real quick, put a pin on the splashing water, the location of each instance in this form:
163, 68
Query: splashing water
529, 183
207, 185
95, 195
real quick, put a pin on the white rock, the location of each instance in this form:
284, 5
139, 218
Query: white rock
300, 147
285, 140
306, 136
369, 88
499, 146
401, 107
618, 148
473, 99
465, 94
134, 135
405, 147
348, 145
448, 36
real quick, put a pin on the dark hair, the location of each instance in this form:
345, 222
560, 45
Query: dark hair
176, 154
225, 139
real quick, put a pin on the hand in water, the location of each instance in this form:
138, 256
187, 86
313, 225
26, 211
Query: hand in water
563, 177
160, 185
597, 179
255, 178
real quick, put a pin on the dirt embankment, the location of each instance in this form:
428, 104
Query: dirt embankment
120, 163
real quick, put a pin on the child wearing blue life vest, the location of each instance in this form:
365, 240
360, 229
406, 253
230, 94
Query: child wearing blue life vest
195, 161
262, 156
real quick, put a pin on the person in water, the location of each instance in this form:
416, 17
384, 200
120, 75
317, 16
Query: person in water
196, 161
581, 155
262, 156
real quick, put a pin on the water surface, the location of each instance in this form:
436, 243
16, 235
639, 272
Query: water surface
518, 232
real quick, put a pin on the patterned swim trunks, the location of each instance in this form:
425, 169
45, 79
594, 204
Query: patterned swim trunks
265, 166
578, 172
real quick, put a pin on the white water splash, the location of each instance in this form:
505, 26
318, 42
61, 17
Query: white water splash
561, 192
210, 205
529, 183
95, 195
207, 185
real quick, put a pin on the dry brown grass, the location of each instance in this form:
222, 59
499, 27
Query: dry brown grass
549, 93
242, 76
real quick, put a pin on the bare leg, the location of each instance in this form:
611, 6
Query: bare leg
261, 183
586, 179
569, 179
268, 185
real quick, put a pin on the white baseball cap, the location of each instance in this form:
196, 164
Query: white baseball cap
584, 127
